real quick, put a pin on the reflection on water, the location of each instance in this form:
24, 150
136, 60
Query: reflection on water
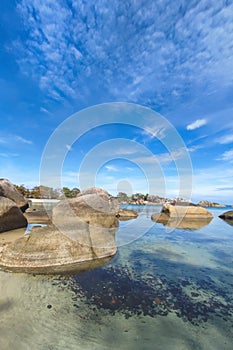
228, 221
183, 223
162, 291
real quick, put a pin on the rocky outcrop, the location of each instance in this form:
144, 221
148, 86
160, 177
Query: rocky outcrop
227, 217
211, 204
186, 217
8, 190
192, 212
126, 214
101, 194
82, 235
88, 219
47, 251
11, 216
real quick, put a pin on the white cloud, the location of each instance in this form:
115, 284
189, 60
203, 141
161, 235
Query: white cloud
227, 156
225, 139
110, 167
8, 155
157, 132
163, 157
197, 124
44, 110
207, 182
10, 139
23, 140
69, 148
194, 148
136, 57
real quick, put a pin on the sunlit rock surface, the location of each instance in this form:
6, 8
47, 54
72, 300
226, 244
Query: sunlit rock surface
8, 190
186, 217
81, 236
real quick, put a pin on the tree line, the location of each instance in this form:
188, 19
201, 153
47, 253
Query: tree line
46, 192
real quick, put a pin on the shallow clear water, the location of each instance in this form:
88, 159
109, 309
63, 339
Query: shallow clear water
166, 289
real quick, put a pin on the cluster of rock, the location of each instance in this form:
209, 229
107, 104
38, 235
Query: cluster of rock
80, 234
210, 204
156, 200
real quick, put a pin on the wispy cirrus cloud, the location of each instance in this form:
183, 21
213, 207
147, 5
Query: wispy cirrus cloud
152, 53
224, 189
196, 124
226, 139
12, 139
44, 110
227, 156
22, 140
110, 167
163, 158
8, 155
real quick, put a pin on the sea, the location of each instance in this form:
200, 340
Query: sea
166, 289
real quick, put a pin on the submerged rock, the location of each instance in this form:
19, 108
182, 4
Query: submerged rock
11, 217
8, 190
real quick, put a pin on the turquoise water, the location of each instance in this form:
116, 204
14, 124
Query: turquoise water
165, 289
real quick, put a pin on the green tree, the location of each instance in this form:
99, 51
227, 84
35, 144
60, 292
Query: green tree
23, 190
68, 193
122, 196
35, 192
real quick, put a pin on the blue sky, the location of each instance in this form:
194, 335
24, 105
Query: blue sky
175, 57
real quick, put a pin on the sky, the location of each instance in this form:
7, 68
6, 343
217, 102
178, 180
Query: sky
79, 75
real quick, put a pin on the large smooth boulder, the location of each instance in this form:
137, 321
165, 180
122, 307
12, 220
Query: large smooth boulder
192, 212
47, 251
88, 219
81, 236
185, 217
8, 190
11, 217
103, 196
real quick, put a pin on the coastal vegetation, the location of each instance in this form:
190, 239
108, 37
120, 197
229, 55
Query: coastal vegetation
45, 192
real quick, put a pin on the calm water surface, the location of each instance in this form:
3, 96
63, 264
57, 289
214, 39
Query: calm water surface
165, 289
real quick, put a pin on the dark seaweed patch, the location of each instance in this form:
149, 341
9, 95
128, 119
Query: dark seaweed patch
116, 289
